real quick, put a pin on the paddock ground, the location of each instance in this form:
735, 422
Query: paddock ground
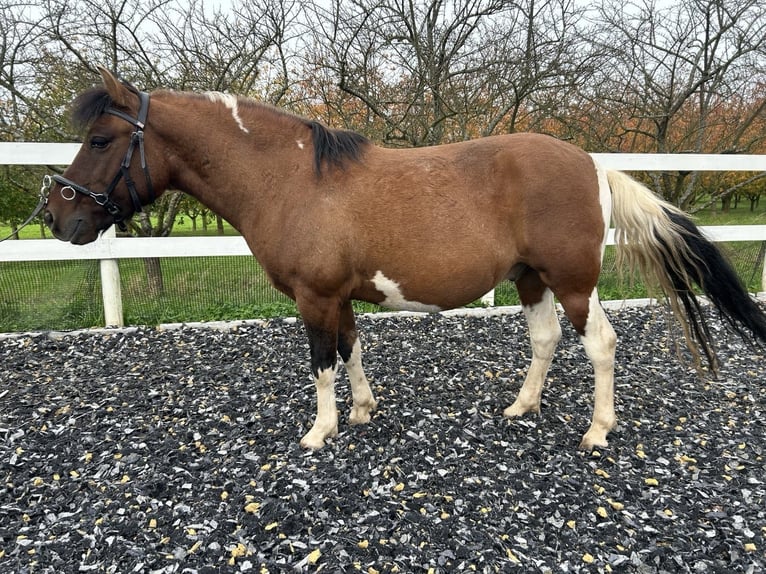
177, 451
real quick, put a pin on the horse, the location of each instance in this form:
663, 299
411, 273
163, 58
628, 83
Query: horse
332, 217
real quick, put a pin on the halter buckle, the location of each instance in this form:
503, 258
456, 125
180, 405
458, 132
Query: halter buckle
46, 187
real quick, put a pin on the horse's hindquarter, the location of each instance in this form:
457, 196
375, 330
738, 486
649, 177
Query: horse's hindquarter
443, 225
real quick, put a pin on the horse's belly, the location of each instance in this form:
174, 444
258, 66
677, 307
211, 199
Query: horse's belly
428, 295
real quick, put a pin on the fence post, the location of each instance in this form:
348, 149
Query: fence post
111, 290
763, 274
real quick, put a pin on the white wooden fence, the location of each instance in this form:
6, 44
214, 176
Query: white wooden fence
109, 249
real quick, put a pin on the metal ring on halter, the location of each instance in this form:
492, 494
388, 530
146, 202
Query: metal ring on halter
70, 188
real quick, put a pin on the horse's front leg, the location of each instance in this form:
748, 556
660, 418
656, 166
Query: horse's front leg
320, 316
350, 350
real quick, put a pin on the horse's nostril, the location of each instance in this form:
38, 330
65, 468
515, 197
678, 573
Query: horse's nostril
48, 218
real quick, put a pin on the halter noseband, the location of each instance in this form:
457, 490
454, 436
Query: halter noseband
136, 140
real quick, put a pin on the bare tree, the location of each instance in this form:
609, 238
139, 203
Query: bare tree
672, 69
404, 60
430, 71
242, 50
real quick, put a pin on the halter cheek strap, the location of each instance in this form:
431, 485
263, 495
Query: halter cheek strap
136, 141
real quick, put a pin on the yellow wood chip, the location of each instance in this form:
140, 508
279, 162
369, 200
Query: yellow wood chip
252, 507
750, 547
601, 511
602, 473
271, 526
313, 556
363, 544
512, 557
153, 523
588, 558
571, 524
614, 504
651, 481
399, 487
599, 489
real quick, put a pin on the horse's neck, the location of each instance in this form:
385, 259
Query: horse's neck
234, 158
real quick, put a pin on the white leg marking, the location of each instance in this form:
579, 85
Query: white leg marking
230, 102
544, 334
363, 400
326, 423
395, 298
600, 342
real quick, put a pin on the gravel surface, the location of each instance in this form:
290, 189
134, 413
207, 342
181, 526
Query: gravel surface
177, 451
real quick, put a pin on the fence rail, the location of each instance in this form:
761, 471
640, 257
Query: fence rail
108, 249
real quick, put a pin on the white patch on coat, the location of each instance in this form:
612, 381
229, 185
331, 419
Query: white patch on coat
300, 143
231, 102
395, 298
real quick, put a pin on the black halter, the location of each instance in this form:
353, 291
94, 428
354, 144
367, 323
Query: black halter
104, 199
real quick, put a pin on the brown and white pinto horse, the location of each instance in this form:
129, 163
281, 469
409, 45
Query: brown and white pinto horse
332, 217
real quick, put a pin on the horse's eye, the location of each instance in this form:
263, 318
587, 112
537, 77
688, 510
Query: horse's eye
97, 142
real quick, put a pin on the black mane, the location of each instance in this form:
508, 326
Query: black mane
334, 147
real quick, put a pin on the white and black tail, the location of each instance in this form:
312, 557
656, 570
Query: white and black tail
668, 250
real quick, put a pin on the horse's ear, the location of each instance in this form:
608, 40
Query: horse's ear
120, 94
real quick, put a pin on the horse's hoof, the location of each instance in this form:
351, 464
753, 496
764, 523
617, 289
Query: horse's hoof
516, 411
314, 439
593, 440
360, 414
311, 443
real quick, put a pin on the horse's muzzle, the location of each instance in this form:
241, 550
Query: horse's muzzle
74, 231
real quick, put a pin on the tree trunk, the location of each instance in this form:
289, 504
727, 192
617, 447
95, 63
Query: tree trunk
154, 282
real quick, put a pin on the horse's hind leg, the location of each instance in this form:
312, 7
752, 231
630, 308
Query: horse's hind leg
350, 350
600, 341
544, 334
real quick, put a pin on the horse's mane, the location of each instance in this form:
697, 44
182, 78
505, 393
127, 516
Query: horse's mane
335, 146
331, 146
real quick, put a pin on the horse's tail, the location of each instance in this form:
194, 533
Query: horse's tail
659, 241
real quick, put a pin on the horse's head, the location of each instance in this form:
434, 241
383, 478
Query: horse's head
109, 179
